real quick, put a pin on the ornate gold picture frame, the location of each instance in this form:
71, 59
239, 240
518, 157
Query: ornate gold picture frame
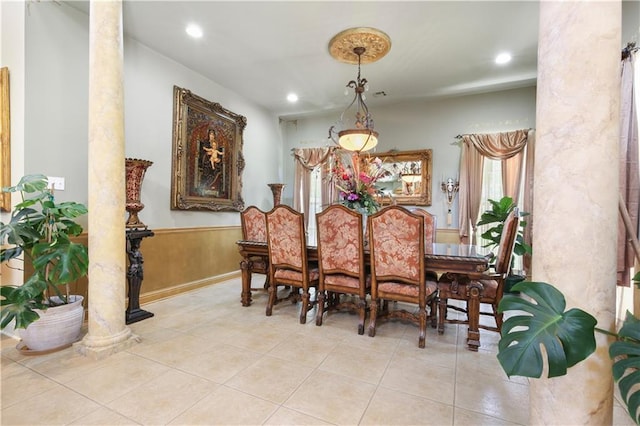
207, 160
5, 140
409, 177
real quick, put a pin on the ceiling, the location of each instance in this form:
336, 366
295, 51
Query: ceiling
265, 49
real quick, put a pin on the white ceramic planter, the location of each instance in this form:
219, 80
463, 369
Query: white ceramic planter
57, 327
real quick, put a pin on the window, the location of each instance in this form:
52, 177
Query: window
315, 203
492, 190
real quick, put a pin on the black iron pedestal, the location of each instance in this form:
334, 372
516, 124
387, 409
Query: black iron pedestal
135, 274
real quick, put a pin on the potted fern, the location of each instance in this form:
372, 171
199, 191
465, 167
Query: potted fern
40, 231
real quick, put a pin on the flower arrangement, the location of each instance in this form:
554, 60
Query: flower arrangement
355, 180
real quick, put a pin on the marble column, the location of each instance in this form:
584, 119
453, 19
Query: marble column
575, 205
107, 332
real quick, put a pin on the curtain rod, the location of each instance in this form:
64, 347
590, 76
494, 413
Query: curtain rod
460, 136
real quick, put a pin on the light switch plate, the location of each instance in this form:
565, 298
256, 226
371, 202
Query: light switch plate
57, 182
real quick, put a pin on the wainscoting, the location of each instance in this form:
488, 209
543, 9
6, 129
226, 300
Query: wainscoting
447, 236
181, 259
184, 259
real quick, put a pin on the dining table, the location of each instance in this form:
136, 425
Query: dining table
439, 257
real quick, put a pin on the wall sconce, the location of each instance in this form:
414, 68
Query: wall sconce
450, 188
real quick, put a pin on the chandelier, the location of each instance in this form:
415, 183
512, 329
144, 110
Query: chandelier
364, 45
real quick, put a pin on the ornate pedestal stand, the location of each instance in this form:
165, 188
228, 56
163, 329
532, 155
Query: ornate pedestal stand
276, 190
135, 274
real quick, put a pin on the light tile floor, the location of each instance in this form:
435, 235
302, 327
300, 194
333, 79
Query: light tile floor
205, 359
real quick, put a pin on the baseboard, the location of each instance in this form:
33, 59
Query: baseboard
183, 288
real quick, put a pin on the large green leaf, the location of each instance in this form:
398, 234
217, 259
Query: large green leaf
626, 368
568, 337
18, 303
66, 261
29, 184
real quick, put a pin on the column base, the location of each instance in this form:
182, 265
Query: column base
101, 348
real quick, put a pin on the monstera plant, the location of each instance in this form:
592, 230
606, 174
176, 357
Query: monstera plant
496, 217
568, 338
40, 230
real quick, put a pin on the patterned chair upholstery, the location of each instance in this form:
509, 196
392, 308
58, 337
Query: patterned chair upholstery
475, 289
396, 244
429, 240
288, 257
254, 228
341, 263
429, 226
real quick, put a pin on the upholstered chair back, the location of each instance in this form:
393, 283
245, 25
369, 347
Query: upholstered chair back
254, 224
507, 242
396, 244
340, 240
286, 238
429, 226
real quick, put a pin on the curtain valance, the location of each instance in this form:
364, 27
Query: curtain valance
498, 146
310, 158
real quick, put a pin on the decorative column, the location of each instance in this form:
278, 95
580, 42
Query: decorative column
276, 190
107, 332
576, 197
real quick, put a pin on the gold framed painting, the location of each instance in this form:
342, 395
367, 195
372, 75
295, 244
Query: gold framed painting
5, 140
207, 160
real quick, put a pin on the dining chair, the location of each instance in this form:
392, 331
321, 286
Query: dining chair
429, 240
341, 263
288, 263
429, 226
254, 228
476, 288
396, 245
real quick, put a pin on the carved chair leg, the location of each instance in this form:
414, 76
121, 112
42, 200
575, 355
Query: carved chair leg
272, 298
372, 320
442, 314
498, 317
433, 311
423, 326
362, 311
305, 306
320, 312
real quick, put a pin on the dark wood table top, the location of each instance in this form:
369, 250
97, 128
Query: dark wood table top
459, 258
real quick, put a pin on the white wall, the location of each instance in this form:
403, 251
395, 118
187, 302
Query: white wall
56, 137
12, 41
425, 125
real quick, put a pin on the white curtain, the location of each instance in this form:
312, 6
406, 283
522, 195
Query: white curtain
306, 159
629, 180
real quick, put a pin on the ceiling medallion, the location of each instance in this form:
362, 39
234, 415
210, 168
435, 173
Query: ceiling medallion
376, 43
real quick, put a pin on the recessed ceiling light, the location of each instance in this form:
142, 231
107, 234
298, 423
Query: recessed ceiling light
194, 30
292, 97
503, 58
